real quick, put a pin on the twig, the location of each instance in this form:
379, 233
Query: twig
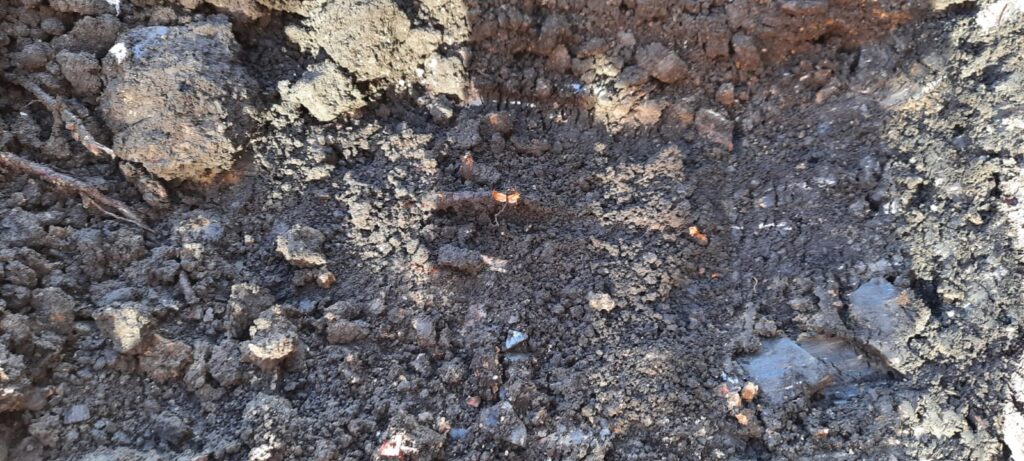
71, 121
64, 182
445, 200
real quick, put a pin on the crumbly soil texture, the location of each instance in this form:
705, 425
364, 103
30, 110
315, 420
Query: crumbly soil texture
481, 230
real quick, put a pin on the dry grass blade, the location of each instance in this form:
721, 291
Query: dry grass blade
67, 183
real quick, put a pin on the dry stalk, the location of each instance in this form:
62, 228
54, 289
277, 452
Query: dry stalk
89, 194
60, 110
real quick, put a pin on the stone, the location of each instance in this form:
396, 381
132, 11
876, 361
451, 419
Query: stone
244, 305
661, 63
341, 331
275, 341
515, 338
715, 127
165, 359
782, 370
223, 364
600, 302
460, 259
502, 422
301, 246
325, 91
423, 331
885, 318
54, 309
176, 98
126, 326
76, 414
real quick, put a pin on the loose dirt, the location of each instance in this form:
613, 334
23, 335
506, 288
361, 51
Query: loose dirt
626, 229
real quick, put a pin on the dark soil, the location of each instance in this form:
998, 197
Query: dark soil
593, 230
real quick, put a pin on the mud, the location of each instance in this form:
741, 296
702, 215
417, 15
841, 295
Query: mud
544, 230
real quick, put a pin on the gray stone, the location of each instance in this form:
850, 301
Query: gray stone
514, 339
301, 245
885, 318
783, 370
76, 414
501, 421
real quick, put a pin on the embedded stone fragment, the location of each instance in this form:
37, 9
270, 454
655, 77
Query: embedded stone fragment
885, 318
301, 245
782, 370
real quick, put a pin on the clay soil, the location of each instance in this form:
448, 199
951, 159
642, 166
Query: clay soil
582, 229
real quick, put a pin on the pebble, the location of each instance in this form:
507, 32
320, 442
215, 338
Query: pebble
514, 339
76, 414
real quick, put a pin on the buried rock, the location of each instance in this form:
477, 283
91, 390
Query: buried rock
885, 318
175, 98
782, 369
127, 326
301, 246
501, 421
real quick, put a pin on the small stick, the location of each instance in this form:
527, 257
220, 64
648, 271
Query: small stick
64, 182
71, 121
446, 200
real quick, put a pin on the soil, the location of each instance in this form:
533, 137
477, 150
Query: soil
626, 229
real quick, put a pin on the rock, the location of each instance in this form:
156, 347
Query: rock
849, 365
445, 75
171, 429
423, 331
501, 422
14, 384
486, 373
460, 259
34, 56
84, 7
301, 246
514, 339
341, 331
82, 71
275, 341
600, 301
661, 63
126, 326
22, 228
748, 55
165, 359
93, 34
244, 305
223, 364
46, 429
715, 127
782, 369
324, 91
76, 414
176, 98
54, 310
885, 318
373, 39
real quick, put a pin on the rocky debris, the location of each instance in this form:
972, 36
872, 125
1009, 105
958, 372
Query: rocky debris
747, 54
92, 34
502, 422
127, 326
301, 246
275, 341
601, 302
14, 383
885, 318
244, 305
661, 63
782, 369
128, 454
165, 359
46, 429
177, 130
445, 75
374, 39
324, 91
76, 414
749, 391
424, 331
715, 127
